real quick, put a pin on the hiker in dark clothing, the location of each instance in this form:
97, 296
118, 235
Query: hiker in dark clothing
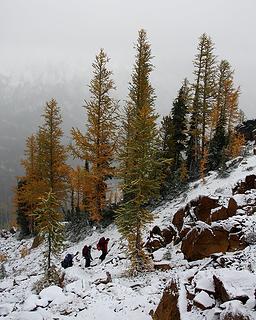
87, 255
68, 260
103, 246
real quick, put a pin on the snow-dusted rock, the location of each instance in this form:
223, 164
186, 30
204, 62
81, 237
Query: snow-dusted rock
30, 303
159, 254
5, 309
51, 293
78, 287
42, 303
29, 315
60, 299
235, 310
203, 301
6, 284
204, 281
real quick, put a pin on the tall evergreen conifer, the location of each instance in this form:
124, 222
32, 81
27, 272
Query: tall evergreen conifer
204, 93
139, 164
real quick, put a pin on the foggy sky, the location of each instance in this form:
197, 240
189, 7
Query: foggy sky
62, 37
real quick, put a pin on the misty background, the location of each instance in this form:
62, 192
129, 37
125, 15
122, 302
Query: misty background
48, 46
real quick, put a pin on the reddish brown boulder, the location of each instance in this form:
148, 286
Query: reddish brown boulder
220, 292
178, 218
203, 208
248, 184
155, 231
232, 207
168, 307
201, 243
220, 214
168, 235
184, 231
154, 244
236, 242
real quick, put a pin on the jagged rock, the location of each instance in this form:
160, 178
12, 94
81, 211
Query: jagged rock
154, 244
204, 240
155, 231
203, 301
168, 235
222, 293
200, 243
236, 242
220, 214
184, 231
232, 207
243, 186
203, 208
178, 218
168, 308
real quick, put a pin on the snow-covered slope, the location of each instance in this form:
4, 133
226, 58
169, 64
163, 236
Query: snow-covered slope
127, 298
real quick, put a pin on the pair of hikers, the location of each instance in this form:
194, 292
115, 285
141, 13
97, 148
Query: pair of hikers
102, 246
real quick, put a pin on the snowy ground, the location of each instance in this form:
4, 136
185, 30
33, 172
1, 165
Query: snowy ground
124, 298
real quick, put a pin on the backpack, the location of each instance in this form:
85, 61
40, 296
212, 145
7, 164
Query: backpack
101, 243
85, 251
68, 261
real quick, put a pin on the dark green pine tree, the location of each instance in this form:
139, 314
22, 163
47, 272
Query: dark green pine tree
179, 120
204, 91
220, 137
174, 127
22, 210
217, 145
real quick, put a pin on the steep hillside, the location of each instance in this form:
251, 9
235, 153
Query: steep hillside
193, 278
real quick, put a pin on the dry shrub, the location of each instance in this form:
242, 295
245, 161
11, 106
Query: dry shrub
24, 251
3, 257
51, 277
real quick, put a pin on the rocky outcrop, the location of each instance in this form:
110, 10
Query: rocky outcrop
178, 218
203, 209
200, 243
168, 307
160, 238
203, 241
243, 186
222, 293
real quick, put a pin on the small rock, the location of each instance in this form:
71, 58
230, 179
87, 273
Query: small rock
50, 293
203, 301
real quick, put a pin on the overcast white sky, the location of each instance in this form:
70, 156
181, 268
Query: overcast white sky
65, 35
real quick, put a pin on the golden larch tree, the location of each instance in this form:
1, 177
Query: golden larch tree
98, 144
